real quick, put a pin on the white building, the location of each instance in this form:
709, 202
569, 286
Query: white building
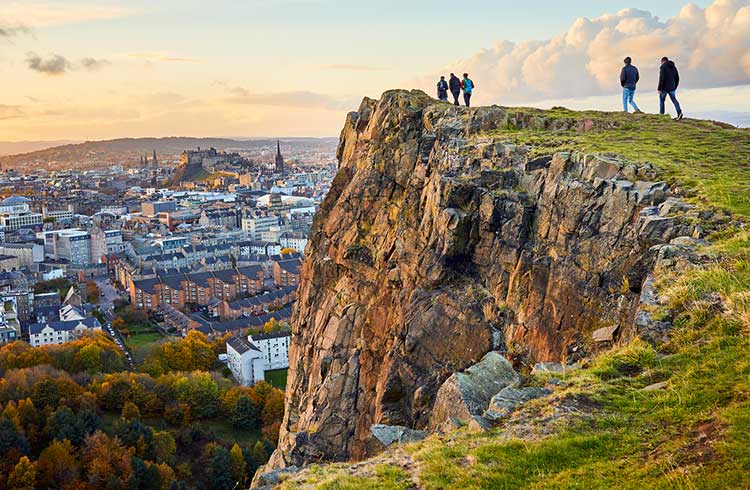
275, 348
255, 226
15, 213
72, 245
295, 240
61, 332
245, 361
26, 253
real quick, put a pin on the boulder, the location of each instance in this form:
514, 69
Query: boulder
269, 479
553, 367
388, 435
464, 396
510, 398
605, 334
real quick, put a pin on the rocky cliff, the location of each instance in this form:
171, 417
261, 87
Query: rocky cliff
439, 242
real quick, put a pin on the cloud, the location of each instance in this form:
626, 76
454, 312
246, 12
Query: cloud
57, 64
351, 67
54, 65
10, 112
93, 64
41, 14
711, 47
300, 99
10, 31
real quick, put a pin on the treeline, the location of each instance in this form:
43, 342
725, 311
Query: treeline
68, 423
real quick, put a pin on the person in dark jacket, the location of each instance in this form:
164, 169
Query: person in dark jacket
442, 89
629, 77
455, 87
669, 80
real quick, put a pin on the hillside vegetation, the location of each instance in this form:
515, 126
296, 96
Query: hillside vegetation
675, 414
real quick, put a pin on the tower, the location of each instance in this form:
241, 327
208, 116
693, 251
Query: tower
155, 162
279, 159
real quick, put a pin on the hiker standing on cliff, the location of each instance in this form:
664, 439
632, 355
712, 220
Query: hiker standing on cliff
455, 86
669, 80
442, 89
468, 85
629, 77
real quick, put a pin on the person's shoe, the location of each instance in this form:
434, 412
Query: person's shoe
679, 117
638, 111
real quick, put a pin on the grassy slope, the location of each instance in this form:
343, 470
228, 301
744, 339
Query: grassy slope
694, 433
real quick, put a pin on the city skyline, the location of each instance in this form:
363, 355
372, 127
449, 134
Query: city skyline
99, 70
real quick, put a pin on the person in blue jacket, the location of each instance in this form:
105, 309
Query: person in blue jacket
669, 80
468, 85
442, 89
629, 77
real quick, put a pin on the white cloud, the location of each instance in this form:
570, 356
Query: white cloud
711, 47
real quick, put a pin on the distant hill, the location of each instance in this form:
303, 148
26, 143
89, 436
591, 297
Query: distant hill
16, 147
125, 151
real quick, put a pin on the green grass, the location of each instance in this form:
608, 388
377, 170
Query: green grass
224, 431
137, 340
710, 160
277, 378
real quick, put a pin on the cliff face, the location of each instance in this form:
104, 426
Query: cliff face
438, 243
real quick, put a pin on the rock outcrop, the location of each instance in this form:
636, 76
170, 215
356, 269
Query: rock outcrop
440, 242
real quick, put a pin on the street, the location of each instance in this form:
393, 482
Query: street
106, 304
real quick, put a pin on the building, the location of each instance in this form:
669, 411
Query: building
15, 213
7, 334
10, 328
294, 240
246, 361
227, 218
152, 208
287, 272
105, 242
275, 348
9, 262
61, 332
256, 225
279, 162
172, 244
72, 245
27, 253
58, 214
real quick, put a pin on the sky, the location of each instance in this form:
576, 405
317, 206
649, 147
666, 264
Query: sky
84, 70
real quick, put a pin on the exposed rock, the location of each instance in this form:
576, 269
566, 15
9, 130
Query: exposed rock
391, 434
465, 395
439, 243
268, 479
604, 334
656, 386
505, 402
553, 367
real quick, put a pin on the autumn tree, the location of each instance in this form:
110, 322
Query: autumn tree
106, 459
12, 442
57, 466
200, 392
130, 411
23, 476
92, 292
163, 447
273, 408
237, 465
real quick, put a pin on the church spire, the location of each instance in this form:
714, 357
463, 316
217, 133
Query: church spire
279, 159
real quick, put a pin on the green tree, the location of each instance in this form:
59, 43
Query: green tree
11, 439
238, 465
200, 392
90, 356
220, 469
245, 415
23, 476
163, 447
259, 453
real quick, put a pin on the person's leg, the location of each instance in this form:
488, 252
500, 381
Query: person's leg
632, 100
673, 96
467, 99
455, 97
625, 99
662, 98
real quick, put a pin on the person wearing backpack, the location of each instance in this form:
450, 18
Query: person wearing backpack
455, 86
442, 89
468, 85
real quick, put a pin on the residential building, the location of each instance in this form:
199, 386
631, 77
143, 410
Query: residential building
27, 253
256, 225
294, 240
61, 332
275, 348
246, 361
72, 245
287, 272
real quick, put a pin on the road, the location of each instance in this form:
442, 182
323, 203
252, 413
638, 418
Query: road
106, 304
